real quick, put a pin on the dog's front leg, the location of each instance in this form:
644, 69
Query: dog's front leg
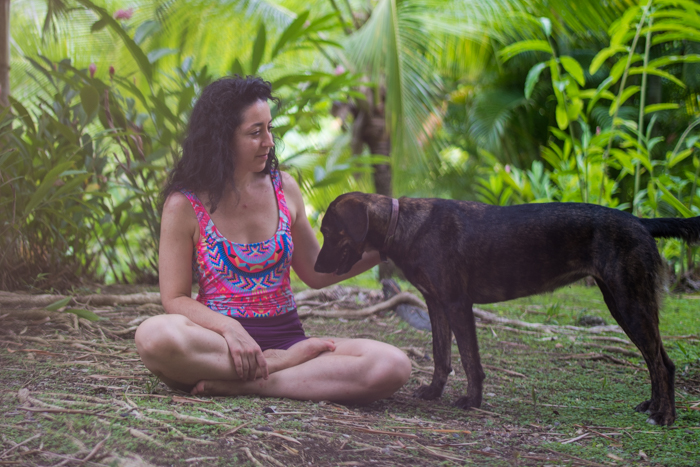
461, 316
442, 351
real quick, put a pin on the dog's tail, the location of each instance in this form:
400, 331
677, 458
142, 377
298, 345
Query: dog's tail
669, 227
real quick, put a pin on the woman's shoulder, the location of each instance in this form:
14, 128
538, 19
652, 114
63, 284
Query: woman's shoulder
288, 182
177, 204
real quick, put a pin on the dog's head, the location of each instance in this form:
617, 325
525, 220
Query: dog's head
344, 228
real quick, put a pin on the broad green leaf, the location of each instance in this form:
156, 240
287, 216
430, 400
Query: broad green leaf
98, 25
653, 71
145, 30
88, 315
155, 55
673, 160
651, 190
292, 32
258, 49
626, 94
573, 68
23, 114
670, 199
656, 107
59, 304
532, 77
619, 68
524, 46
133, 48
90, 100
574, 109
44, 187
562, 118
603, 55
237, 68
672, 59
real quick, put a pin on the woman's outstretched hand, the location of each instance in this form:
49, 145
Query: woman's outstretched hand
247, 355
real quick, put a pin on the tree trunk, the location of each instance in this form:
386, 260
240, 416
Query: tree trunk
375, 134
4, 52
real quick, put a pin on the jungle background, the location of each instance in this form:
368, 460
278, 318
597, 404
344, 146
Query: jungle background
499, 101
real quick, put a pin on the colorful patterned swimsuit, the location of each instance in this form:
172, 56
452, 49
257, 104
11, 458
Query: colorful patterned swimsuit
249, 282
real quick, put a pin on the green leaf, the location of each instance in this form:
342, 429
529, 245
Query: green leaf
546, 26
673, 59
292, 31
656, 107
145, 30
88, 315
155, 55
98, 25
653, 71
258, 49
573, 68
603, 55
134, 49
237, 68
619, 68
59, 304
670, 199
562, 118
44, 187
532, 77
626, 94
673, 160
90, 100
524, 46
23, 114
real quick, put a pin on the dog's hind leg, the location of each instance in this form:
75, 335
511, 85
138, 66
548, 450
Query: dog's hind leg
461, 317
442, 352
633, 302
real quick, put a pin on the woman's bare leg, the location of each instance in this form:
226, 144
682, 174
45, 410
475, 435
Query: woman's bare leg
183, 353
358, 371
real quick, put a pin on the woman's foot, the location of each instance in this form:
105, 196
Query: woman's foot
297, 354
277, 360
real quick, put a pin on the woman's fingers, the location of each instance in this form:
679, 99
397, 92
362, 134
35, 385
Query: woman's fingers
262, 364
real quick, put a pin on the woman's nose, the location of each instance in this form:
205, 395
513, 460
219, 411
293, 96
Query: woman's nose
268, 141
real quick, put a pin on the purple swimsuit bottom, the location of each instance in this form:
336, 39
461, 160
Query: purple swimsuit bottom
276, 332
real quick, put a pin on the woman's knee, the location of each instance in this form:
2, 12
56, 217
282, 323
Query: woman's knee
160, 336
390, 370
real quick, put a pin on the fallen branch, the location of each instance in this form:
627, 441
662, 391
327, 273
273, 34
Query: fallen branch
16, 300
403, 297
503, 370
491, 317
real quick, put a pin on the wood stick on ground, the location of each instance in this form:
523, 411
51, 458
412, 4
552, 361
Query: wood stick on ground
503, 370
252, 459
398, 299
92, 453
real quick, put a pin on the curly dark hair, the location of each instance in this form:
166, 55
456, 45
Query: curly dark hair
207, 158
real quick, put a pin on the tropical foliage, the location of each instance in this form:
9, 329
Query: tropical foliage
503, 102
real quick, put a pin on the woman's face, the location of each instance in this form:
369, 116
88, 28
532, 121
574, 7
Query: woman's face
252, 140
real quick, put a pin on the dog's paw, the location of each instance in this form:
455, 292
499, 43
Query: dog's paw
643, 407
467, 402
428, 392
658, 414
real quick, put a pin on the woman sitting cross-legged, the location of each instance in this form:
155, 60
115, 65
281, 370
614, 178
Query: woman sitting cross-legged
231, 215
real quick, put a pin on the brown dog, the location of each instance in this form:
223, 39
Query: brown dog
461, 253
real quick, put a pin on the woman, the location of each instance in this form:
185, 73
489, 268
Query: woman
231, 212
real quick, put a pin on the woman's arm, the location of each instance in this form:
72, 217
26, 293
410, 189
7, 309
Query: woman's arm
306, 247
179, 229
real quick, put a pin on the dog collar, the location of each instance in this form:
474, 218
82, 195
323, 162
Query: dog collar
391, 231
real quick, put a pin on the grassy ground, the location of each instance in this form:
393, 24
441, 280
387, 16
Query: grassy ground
75, 392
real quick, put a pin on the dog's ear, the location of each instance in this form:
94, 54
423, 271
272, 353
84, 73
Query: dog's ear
354, 216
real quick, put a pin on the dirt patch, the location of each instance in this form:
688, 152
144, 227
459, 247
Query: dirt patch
75, 392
